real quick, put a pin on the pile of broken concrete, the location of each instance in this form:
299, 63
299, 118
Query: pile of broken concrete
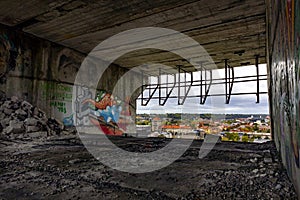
21, 120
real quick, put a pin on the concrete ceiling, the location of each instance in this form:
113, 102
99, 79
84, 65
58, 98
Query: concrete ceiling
227, 29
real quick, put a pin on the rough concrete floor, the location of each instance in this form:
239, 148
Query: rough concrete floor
61, 168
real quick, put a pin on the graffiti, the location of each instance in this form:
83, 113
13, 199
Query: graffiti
68, 121
61, 106
110, 114
106, 113
58, 97
285, 82
8, 55
55, 91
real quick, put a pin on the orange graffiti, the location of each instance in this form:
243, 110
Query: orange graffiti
107, 100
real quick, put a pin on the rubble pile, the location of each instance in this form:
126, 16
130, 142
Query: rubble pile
20, 120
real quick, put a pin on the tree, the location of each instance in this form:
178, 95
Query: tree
245, 138
255, 127
258, 136
144, 122
233, 136
251, 139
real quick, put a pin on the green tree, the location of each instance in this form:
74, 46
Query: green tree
245, 138
255, 127
144, 122
233, 136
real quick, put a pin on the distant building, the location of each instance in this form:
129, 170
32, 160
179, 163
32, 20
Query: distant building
180, 129
156, 124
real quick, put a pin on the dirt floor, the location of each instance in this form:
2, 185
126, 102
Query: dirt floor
61, 168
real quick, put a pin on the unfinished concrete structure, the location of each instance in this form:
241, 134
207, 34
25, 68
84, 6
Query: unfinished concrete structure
43, 44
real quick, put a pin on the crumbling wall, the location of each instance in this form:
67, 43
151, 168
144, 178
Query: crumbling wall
284, 70
43, 73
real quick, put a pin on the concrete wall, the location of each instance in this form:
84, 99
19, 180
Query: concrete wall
284, 69
43, 73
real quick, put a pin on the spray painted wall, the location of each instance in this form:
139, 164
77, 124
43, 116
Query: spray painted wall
43, 73
284, 69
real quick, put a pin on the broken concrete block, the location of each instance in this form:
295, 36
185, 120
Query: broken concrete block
5, 122
38, 113
8, 130
35, 111
26, 106
17, 126
31, 121
21, 112
6, 104
15, 123
8, 111
43, 121
30, 129
13, 130
2, 115
14, 99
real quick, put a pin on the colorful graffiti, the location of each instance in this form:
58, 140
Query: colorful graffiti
68, 121
285, 73
109, 113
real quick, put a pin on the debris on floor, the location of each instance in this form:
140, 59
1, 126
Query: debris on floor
61, 168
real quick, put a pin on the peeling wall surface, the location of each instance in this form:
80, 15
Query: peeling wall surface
284, 69
43, 73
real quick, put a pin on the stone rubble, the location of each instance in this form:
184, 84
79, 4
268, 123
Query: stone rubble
21, 120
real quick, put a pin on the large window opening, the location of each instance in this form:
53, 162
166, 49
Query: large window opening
243, 115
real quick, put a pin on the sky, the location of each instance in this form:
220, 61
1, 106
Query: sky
239, 104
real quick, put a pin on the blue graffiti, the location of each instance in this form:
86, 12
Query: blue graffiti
68, 121
111, 113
